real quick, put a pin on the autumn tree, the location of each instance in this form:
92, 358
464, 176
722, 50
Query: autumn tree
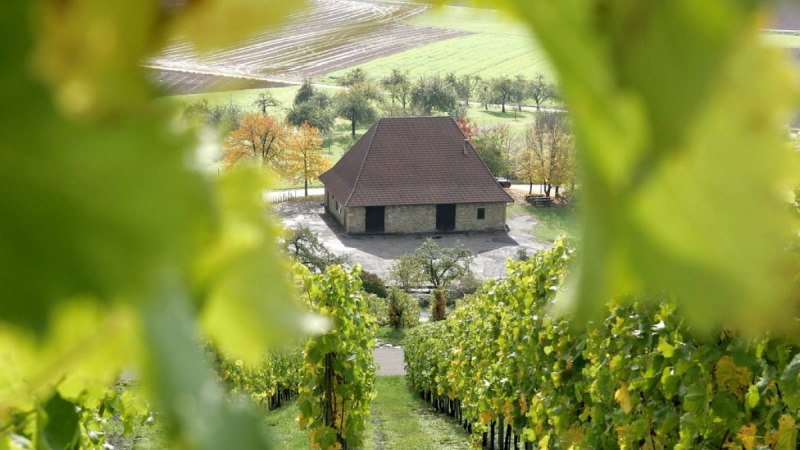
259, 140
304, 159
357, 102
548, 153
468, 127
495, 144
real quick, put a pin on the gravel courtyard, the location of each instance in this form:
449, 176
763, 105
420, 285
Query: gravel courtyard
375, 253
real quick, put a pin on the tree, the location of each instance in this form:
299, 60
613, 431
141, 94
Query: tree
433, 92
442, 265
305, 92
353, 77
502, 91
495, 145
403, 310
464, 85
304, 245
547, 156
259, 138
519, 91
304, 159
266, 100
357, 103
467, 127
313, 107
406, 272
539, 90
398, 85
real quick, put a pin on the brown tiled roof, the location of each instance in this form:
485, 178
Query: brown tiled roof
412, 161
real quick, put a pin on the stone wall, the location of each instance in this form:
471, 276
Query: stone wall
330, 206
467, 217
422, 218
356, 219
410, 219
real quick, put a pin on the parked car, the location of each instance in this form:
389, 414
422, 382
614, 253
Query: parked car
503, 182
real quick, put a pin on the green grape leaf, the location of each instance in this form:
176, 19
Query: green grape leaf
682, 153
191, 403
790, 383
245, 275
98, 209
58, 425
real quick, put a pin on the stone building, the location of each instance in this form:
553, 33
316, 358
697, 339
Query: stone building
414, 175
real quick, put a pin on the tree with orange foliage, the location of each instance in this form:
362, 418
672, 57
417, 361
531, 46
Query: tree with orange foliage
304, 159
259, 139
467, 127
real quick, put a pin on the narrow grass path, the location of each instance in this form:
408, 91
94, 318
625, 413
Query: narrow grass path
401, 421
398, 421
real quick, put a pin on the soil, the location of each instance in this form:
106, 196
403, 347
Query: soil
327, 36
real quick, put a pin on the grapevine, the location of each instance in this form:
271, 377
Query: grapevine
514, 373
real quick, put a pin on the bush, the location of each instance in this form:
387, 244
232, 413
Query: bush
403, 310
466, 284
378, 308
437, 304
373, 284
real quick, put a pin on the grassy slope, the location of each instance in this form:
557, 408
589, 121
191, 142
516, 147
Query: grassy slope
398, 421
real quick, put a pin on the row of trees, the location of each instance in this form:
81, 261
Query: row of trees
543, 154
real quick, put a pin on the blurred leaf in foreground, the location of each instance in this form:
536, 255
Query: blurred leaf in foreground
680, 113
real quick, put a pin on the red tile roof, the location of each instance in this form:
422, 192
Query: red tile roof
412, 161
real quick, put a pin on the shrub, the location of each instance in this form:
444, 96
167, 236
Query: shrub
378, 308
373, 284
402, 310
438, 304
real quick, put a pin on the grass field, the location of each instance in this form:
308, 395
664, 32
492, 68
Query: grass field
498, 46
551, 222
398, 421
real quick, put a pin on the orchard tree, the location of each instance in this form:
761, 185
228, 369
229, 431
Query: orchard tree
313, 107
353, 77
357, 103
495, 144
433, 92
304, 158
398, 85
266, 100
540, 91
519, 91
259, 139
502, 89
440, 265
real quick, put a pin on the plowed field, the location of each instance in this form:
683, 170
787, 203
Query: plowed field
329, 35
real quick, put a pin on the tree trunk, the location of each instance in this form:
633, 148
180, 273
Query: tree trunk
557, 187
305, 174
353, 123
530, 187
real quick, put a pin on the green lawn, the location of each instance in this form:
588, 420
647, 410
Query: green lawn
398, 421
551, 222
391, 336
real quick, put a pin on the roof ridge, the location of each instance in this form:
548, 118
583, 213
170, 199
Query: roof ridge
466, 139
366, 155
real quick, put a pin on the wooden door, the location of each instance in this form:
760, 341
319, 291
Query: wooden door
374, 219
445, 217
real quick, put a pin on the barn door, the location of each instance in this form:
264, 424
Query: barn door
445, 217
374, 221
